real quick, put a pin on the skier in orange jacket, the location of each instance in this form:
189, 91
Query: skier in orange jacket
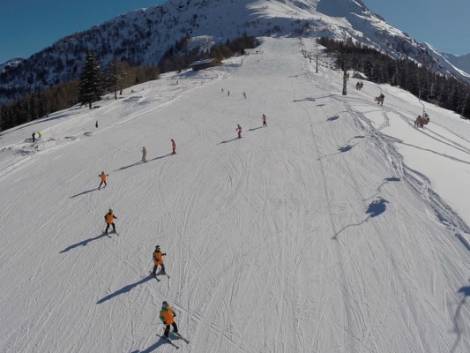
167, 315
109, 219
173, 146
158, 261
103, 179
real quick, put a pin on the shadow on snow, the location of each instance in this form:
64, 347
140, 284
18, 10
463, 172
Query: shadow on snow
124, 289
375, 209
464, 292
141, 162
84, 193
84, 242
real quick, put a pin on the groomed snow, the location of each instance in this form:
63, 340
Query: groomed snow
311, 235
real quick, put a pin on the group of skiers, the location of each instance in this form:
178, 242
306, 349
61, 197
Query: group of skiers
167, 314
359, 85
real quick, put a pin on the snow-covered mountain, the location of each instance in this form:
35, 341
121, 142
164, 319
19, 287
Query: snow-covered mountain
10, 64
144, 35
460, 61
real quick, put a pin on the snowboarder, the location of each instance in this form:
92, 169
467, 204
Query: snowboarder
173, 146
239, 131
109, 219
158, 261
265, 124
144, 154
167, 315
103, 179
96, 124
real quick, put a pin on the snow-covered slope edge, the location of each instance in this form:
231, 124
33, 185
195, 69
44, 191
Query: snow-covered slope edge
141, 37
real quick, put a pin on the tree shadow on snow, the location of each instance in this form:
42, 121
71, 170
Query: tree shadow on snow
84, 193
125, 289
345, 148
380, 187
375, 209
84, 242
464, 292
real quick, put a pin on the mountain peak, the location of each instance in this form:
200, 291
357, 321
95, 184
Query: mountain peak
143, 36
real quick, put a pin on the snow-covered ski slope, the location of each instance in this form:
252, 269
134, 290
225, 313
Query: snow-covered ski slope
320, 233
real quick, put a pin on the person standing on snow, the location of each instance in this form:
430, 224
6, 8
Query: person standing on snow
158, 261
239, 131
265, 124
173, 146
167, 315
103, 179
109, 219
144, 154
96, 124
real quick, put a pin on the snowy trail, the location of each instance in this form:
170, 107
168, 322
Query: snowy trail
299, 237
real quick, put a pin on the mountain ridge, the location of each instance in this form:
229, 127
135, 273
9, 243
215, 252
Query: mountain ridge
142, 36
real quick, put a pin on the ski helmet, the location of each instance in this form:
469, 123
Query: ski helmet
110, 211
157, 247
165, 304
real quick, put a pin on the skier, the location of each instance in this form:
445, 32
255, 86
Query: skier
103, 179
239, 131
144, 154
173, 146
265, 124
34, 137
109, 218
167, 315
158, 261
96, 124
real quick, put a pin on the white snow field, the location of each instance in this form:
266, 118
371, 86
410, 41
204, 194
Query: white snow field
339, 228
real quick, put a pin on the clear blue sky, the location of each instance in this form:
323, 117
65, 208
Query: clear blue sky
27, 26
445, 24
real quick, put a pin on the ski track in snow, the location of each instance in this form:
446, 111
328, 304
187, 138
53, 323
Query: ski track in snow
316, 234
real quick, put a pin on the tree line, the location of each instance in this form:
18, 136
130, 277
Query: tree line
94, 81
443, 90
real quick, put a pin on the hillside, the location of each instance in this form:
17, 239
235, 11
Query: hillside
334, 229
461, 61
142, 37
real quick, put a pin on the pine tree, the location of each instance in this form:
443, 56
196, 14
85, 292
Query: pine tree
90, 81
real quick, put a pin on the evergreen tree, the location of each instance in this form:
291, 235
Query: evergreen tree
90, 81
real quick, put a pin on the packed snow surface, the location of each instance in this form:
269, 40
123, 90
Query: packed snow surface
337, 228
